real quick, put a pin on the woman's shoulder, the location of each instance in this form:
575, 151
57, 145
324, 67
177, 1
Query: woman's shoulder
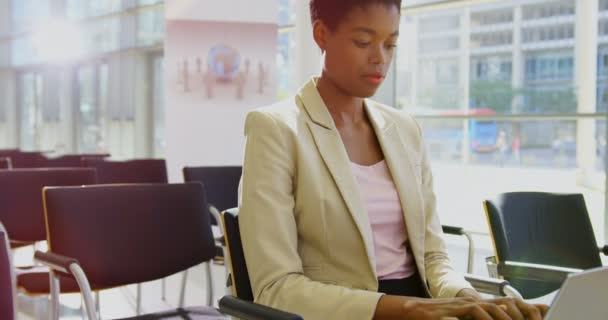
282, 113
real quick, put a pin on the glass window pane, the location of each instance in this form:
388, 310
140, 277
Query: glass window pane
287, 12
30, 97
80, 9
159, 107
28, 13
285, 64
482, 80
151, 27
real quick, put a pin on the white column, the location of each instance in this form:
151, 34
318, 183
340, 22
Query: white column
517, 59
585, 61
308, 55
465, 78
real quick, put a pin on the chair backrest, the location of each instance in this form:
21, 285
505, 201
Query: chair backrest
129, 233
132, 171
70, 160
23, 159
542, 228
8, 309
222, 184
5, 163
21, 207
241, 285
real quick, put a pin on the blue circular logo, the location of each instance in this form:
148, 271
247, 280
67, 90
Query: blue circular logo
224, 61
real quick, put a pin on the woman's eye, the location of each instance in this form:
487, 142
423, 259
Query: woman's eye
391, 46
361, 44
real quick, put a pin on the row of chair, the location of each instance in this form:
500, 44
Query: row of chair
99, 238
37, 159
21, 206
509, 206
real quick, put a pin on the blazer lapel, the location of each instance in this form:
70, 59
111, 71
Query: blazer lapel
330, 146
403, 172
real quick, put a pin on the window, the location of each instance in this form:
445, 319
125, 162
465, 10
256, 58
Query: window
151, 27
81, 9
30, 99
466, 133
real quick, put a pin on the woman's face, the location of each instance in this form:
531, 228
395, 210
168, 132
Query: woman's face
358, 53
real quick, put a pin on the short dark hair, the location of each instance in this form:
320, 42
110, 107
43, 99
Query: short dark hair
332, 12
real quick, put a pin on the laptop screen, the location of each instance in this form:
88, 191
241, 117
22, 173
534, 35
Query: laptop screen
583, 295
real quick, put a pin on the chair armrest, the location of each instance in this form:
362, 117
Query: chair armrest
495, 287
604, 250
457, 231
247, 310
71, 267
55, 261
531, 271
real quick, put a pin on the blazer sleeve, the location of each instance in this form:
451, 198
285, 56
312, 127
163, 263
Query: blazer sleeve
443, 280
270, 235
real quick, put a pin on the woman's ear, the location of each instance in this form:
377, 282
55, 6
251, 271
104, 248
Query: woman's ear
319, 34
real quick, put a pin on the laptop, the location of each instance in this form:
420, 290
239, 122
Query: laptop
583, 295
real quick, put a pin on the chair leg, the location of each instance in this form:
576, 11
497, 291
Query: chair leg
163, 289
54, 301
182, 294
209, 284
138, 303
97, 304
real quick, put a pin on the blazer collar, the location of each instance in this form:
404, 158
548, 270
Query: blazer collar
331, 148
319, 114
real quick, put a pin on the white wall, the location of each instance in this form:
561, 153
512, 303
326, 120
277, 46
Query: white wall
202, 131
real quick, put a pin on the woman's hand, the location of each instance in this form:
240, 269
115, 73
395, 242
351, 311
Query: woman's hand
405, 308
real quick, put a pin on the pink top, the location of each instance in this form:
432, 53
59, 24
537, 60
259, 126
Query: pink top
387, 221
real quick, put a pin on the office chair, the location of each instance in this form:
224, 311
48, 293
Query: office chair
222, 186
222, 193
133, 171
537, 228
21, 212
5, 163
125, 234
114, 235
241, 286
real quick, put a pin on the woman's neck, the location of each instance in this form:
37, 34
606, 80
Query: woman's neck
344, 108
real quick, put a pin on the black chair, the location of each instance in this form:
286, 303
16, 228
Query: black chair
113, 235
537, 228
241, 285
222, 186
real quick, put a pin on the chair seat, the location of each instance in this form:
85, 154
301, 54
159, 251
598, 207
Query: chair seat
35, 281
193, 313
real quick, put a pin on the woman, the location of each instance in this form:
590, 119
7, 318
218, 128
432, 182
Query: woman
337, 214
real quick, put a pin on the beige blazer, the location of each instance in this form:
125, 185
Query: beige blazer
305, 230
